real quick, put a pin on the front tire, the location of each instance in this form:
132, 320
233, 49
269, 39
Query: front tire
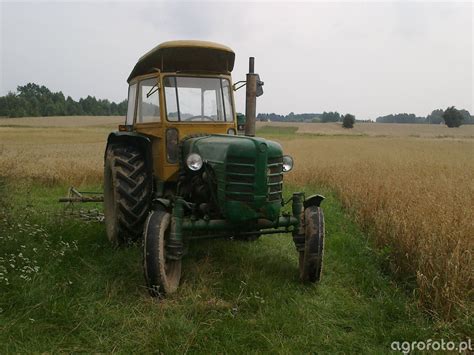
162, 275
127, 194
311, 259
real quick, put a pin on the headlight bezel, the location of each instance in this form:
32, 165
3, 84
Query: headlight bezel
194, 158
288, 163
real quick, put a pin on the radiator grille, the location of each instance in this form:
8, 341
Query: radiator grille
240, 179
275, 178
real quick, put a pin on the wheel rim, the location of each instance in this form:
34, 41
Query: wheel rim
171, 267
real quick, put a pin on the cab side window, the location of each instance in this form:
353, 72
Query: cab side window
132, 95
148, 101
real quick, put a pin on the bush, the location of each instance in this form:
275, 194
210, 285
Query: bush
453, 117
348, 121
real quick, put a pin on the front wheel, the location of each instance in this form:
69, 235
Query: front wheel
162, 275
311, 259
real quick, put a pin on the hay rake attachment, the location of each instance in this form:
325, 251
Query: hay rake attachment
75, 197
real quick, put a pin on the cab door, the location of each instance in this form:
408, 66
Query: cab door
148, 117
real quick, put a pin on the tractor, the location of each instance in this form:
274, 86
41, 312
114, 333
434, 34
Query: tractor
177, 170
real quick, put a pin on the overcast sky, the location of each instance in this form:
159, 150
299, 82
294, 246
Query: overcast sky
365, 58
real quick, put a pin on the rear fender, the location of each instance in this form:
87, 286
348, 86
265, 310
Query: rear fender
313, 200
143, 143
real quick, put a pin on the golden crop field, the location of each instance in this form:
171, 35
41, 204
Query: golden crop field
411, 187
416, 198
378, 130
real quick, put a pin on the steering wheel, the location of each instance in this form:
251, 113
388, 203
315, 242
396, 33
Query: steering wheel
201, 118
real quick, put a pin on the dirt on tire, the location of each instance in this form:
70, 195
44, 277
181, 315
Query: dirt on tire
162, 275
311, 260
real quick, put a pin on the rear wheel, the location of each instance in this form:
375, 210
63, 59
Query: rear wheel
311, 259
127, 194
162, 274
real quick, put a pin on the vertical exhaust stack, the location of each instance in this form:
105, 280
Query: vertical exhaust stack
251, 99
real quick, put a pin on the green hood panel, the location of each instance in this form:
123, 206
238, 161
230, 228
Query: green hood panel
248, 171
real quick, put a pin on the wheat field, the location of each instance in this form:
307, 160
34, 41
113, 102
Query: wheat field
377, 129
410, 187
415, 197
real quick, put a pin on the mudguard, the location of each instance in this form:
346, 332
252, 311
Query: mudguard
313, 200
140, 141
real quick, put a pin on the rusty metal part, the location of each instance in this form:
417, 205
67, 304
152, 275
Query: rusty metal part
251, 100
88, 215
78, 196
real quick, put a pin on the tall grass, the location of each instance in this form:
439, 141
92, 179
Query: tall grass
416, 198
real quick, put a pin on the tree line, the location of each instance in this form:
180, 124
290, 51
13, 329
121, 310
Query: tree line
301, 117
435, 117
454, 116
33, 100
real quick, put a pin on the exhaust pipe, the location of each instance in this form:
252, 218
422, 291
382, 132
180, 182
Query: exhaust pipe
251, 99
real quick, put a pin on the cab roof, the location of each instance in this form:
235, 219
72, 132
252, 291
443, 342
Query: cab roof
187, 56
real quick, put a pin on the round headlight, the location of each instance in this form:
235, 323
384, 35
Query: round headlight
287, 163
231, 131
194, 162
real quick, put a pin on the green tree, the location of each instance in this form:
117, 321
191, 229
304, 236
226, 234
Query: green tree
35, 100
435, 117
453, 117
330, 117
348, 121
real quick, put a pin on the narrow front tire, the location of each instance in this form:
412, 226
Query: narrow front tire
162, 275
311, 259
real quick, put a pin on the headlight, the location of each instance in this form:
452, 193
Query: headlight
231, 131
194, 162
287, 163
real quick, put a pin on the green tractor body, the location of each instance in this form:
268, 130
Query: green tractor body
247, 175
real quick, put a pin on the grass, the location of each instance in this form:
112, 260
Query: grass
277, 130
235, 296
400, 240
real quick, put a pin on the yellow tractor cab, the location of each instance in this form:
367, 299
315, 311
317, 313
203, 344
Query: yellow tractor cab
177, 89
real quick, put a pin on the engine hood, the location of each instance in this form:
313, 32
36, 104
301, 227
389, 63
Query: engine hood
248, 172
216, 148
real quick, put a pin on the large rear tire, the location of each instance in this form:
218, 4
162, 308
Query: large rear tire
127, 194
162, 275
311, 259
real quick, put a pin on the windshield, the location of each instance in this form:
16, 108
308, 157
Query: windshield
193, 99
